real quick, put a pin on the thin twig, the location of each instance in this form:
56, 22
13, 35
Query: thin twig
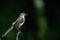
17, 37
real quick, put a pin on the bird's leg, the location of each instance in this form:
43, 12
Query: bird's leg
18, 29
19, 32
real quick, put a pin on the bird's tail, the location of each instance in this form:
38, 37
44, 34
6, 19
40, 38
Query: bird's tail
7, 31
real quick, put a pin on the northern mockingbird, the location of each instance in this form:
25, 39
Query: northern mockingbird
17, 24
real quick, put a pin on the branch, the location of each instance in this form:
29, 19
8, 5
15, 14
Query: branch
17, 37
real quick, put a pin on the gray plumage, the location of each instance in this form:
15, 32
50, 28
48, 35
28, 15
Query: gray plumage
17, 24
20, 21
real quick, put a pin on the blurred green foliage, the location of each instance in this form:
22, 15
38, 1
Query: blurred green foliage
42, 22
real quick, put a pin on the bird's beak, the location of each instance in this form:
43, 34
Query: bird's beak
26, 14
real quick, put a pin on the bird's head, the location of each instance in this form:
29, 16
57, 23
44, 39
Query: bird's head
23, 14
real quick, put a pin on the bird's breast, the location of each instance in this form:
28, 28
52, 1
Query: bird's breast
20, 24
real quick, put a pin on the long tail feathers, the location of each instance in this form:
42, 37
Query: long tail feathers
7, 31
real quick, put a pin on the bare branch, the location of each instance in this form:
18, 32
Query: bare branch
17, 37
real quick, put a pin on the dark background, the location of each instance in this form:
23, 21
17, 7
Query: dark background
42, 22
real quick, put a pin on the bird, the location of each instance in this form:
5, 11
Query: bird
20, 21
17, 24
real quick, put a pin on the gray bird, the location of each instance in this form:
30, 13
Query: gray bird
20, 21
17, 24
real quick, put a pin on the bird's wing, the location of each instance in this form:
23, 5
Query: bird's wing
18, 21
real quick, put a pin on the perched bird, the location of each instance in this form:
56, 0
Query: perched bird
17, 24
20, 21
